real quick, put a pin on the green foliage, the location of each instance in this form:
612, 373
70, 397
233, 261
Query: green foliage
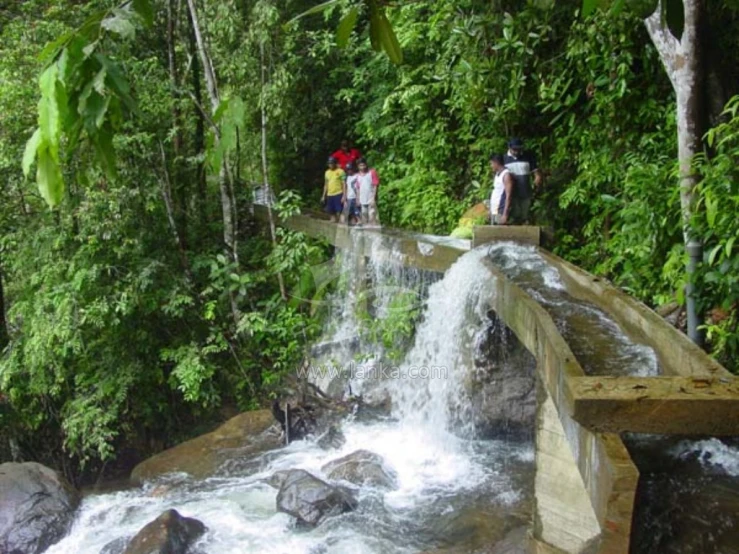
82, 91
394, 328
715, 224
127, 319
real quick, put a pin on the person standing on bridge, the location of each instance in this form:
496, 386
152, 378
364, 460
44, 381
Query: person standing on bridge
333, 190
367, 192
502, 195
346, 154
351, 190
522, 165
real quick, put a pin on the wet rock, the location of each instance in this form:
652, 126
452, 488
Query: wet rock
502, 389
116, 546
473, 531
376, 404
241, 437
311, 500
278, 478
170, 533
362, 468
36, 507
332, 439
303, 410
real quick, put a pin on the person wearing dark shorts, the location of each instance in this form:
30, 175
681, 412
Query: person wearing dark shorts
523, 167
333, 189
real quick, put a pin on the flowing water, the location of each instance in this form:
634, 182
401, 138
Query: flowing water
688, 496
453, 490
596, 339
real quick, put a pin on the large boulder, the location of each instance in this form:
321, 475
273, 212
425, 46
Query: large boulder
36, 507
241, 437
362, 468
331, 439
310, 500
170, 533
502, 389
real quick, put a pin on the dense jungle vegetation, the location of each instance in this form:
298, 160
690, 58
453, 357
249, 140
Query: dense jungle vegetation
148, 300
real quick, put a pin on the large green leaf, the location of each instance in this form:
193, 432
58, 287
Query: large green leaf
49, 177
52, 49
120, 23
117, 82
103, 142
346, 26
145, 11
48, 117
674, 14
374, 29
30, 153
389, 40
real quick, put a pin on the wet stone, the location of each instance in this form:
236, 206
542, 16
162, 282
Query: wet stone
37, 507
362, 468
170, 533
311, 500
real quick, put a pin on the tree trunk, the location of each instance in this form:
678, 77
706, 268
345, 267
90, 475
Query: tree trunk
200, 121
682, 61
177, 184
4, 336
167, 197
229, 234
265, 167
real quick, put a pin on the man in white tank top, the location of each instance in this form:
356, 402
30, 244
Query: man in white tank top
500, 198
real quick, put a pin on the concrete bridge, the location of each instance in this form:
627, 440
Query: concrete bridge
585, 481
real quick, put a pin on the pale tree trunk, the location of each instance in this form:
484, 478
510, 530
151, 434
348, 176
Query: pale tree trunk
682, 61
265, 168
227, 204
226, 189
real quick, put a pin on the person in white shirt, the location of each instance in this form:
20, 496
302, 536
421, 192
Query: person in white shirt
351, 189
367, 191
502, 194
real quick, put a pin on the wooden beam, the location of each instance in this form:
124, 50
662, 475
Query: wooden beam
665, 405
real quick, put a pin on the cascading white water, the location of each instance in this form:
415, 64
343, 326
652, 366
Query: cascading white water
431, 390
443, 477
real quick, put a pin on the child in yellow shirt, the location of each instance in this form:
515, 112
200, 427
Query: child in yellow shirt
333, 189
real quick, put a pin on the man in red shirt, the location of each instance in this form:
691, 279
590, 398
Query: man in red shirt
346, 154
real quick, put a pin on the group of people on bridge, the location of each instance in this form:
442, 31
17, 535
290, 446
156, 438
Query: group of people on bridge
510, 199
350, 188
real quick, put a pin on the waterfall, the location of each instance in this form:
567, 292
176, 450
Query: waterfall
451, 488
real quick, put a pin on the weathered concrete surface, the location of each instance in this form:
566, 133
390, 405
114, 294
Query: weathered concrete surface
245, 435
606, 472
484, 234
674, 405
563, 514
677, 354
421, 251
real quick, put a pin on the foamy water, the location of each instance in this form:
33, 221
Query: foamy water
439, 472
712, 453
